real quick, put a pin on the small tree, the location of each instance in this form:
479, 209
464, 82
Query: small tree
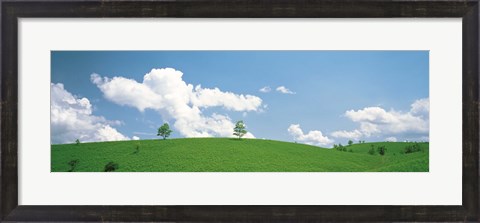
350, 142
239, 129
164, 131
77, 142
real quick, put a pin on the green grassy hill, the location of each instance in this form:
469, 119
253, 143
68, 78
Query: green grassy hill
232, 155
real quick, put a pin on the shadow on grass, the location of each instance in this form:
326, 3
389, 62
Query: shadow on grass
236, 139
110, 167
73, 164
137, 150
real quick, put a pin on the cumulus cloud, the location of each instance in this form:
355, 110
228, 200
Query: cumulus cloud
392, 121
314, 137
284, 90
265, 89
391, 139
378, 121
355, 134
165, 91
135, 138
421, 106
206, 97
71, 118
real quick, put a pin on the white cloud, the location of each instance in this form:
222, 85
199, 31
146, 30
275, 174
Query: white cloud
284, 90
378, 121
355, 134
145, 133
206, 97
314, 137
369, 129
421, 106
125, 91
249, 135
391, 139
263, 108
164, 91
135, 138
392, 122
265, 89
72, 118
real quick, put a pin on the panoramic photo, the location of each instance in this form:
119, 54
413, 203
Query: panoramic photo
239, 111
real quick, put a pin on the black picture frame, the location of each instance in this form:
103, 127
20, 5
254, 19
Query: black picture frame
466, 9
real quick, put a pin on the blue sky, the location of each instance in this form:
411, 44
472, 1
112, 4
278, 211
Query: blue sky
334, 95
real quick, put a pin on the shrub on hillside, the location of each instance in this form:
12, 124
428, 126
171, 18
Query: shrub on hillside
412, 148
382, 150
110, 167
371, 151
340, 147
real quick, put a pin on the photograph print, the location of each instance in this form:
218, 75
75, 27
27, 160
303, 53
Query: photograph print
239, 111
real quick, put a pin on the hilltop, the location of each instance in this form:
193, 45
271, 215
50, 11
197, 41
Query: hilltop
233, 155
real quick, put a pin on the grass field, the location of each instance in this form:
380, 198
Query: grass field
232, 155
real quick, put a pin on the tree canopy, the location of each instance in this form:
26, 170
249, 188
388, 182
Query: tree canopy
164, 131
239, 129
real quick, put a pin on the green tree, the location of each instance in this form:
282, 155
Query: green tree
239, 129
350, 142
164, 131
77, 142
